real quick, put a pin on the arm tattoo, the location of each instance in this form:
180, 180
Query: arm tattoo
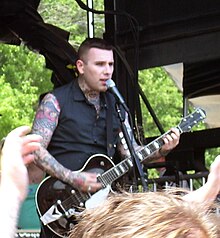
45, 123
46, 118
51, 166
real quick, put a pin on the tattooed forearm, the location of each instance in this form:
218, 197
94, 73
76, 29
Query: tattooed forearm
51, 166
46, 118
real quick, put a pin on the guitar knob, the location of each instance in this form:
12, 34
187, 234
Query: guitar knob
81, 204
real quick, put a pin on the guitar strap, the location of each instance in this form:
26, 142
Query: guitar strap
109, 126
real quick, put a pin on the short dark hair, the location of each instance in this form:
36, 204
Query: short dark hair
89, 43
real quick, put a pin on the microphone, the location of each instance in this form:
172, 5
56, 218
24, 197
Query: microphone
113, 89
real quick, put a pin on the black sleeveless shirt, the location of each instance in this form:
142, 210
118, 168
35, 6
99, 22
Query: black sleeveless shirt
80, 133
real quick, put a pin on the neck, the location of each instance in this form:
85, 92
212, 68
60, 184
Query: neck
89, 93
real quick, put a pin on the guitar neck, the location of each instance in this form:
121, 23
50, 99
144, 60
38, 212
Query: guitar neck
123, 167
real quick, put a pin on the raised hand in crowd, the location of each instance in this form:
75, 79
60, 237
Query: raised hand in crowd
15, 155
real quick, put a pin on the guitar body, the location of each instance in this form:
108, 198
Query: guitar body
59, 204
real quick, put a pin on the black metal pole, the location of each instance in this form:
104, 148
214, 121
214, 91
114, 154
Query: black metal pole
135, 159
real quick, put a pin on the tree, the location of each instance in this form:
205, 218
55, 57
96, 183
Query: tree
23, 78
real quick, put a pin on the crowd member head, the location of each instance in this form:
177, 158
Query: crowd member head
150, 215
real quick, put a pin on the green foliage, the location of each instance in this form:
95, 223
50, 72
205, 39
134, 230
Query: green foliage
69, 16
164, 98
19, 64
16, 106
23, 78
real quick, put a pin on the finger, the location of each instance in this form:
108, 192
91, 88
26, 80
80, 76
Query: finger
27, 159
94, 187
20, 131
31, 138
30, 148
216, 164
174, 136
175, 131
168, 138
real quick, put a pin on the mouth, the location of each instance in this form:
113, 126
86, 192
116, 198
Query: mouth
103, 81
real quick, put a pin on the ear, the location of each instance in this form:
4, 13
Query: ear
80, 66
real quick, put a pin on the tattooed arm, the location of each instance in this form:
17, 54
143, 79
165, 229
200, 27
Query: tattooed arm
45, 123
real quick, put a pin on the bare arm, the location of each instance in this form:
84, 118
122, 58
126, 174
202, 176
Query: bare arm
208, 192
45, 123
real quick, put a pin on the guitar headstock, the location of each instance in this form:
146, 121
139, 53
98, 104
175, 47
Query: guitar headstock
192, 119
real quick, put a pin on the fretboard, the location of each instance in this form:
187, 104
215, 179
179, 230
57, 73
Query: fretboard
123, 167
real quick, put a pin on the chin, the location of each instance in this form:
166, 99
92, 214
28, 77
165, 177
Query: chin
103, 89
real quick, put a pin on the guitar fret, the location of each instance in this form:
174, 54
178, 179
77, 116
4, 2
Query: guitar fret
152, 148
117, 171
122, 168
112, 176
100, 179
109, 177
146, 152
129, 163
126, 166
156, 145
140, 155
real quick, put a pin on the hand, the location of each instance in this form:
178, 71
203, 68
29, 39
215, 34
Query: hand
87, 182
208, 192
214, 174
16, 153
170, 141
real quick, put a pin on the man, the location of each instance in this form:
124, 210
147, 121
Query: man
15, 155
73, 118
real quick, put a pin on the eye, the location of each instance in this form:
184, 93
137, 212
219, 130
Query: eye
100, 63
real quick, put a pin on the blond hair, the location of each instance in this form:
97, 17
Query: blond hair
150, 215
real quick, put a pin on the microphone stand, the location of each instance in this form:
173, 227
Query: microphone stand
135, 159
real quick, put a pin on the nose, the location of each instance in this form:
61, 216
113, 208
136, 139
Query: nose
108, 69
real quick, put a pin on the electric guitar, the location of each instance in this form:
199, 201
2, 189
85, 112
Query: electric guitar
59, 204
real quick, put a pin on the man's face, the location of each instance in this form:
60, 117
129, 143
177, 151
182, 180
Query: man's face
95, 68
